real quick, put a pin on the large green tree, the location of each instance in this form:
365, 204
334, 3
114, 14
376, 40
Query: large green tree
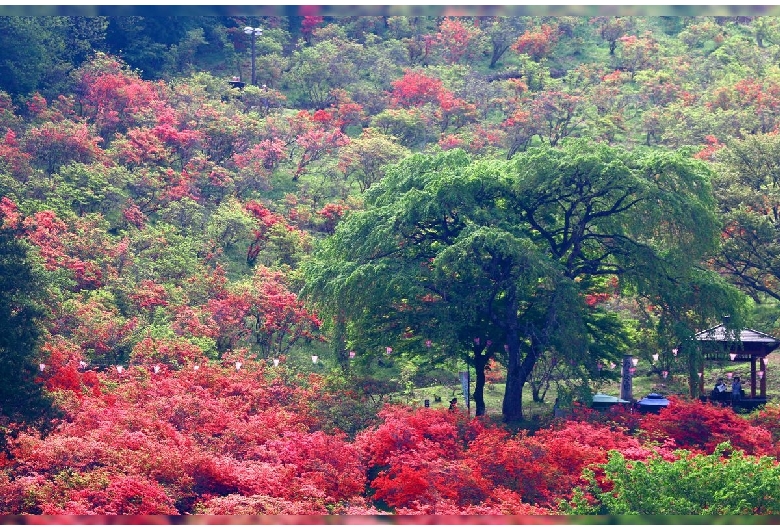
466, 251
24, 58
644, 216
437, 256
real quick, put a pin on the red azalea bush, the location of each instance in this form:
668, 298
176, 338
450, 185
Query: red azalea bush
769, 418
700, 427
222, 441
545, 467
421, 456
183, 441
436, 461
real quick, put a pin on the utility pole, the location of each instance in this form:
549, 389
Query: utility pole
249, 30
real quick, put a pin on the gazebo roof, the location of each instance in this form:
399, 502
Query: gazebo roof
749, 340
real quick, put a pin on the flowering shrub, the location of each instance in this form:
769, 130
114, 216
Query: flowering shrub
209, 440
537, 43
769, 418
700, 427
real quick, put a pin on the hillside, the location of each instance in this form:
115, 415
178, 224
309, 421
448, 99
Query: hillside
252, 246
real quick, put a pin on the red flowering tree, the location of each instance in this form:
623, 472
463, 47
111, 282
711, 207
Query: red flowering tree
457, 39
538, 42
415, 89
316, 136
279, 319
309, 25
13, 159
114, 98
82, 247
55, 144
254, 166
637, 53
331, 214
556, 114
272, 232
520, 129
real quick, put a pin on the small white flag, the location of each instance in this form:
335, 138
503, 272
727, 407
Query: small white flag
42, 367
82, 364
238, 365
156, 368
119, 368
314, 359
197, 366
276, 362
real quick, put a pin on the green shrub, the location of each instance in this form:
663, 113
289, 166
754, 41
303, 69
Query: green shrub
722, 483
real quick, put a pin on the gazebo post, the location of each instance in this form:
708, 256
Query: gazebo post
763, 366
752, 376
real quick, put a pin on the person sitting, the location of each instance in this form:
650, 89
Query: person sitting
736, 391
719, 392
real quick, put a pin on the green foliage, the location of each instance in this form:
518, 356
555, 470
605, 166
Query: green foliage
25, 60
22, 291
723, 483
409, 126
161, 251
364, 158
316, 70
92, 188
748, 188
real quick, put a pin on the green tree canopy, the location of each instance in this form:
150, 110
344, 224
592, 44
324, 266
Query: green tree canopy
21, 397
463, 250
748, 189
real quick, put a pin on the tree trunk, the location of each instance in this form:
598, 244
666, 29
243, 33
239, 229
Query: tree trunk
539, 390
693, 376
512, 408
339, 337
498, 51
480, 361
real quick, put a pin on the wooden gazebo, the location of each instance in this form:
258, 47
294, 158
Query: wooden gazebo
749, 345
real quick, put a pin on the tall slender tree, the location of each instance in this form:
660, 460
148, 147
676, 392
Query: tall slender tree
22, 398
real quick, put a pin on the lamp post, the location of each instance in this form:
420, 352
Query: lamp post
626, 383
249, 30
